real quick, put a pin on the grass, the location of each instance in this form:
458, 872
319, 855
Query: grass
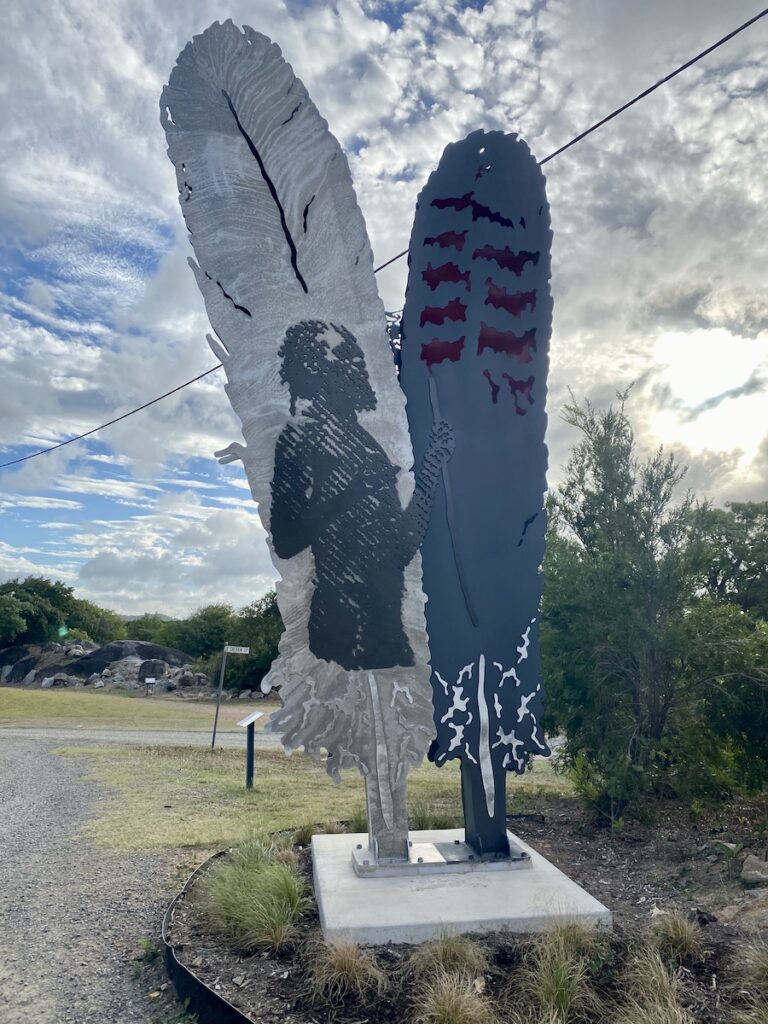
162, 797
450, 954
653, 992
555, 977
254, 900
676, 937
451, 999
92, 709
340, 969
754, 967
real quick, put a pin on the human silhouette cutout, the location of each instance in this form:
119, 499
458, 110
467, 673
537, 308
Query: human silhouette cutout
334, 490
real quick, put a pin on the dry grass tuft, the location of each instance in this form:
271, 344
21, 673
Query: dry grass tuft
450, 954
358, 819
654, 991
424, 814
451, 999
338, 969
753, 1011
302, 836
676, 937
254, 900
333, 828
754, 967
555, 978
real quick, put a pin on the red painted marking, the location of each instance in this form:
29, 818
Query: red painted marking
463, 203
507, 343
448, 239
495, 388
480, 212
512, 302
447, 272
506, 259
455, 310
524, 388
437, 351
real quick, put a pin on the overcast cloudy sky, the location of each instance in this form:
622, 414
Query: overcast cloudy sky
660, 249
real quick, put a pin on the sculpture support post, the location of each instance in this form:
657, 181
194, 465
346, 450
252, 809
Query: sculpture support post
486, 833
387, 828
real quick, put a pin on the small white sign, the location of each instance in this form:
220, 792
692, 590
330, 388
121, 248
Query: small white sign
150, 680
251, 718
230, 649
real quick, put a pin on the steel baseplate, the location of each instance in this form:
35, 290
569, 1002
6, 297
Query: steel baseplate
451, 856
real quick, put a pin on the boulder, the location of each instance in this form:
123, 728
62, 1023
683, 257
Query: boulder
201, 679
152, 668
119, 650
47, 683
29, 678
5, 672
185, 679
98, 684
244, 695
754, 871
75, 651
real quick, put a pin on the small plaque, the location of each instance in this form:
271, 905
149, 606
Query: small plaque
251, 718
231, 649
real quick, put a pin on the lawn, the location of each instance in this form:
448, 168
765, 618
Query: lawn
162, 797
96, 710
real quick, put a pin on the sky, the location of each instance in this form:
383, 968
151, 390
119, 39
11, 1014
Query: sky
660, 251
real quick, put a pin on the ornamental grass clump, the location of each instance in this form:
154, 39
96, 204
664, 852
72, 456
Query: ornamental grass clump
339, 969
653, 992
555, 977
676, 938
754, 967
449, 954
254, 900
448, 998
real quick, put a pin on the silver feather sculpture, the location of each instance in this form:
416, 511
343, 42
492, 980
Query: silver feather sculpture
285, 268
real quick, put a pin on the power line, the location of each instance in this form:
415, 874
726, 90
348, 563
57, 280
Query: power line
653, 88
578, 138
71, 440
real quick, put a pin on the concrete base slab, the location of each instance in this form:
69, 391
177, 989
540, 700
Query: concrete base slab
375, 909
441, 858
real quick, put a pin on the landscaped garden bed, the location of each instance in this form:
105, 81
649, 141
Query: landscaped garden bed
688, 946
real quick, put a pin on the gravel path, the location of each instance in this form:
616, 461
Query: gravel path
145, 737
71, 915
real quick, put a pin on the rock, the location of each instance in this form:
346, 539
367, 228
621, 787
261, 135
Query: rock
171, 687
701, 917
62, 679
754, 871
5, 672
185, 679
750, 912
119, 650
244, 695
47, 683
75, 651
52, 645
29, 678
201, 679
152, 668
98, 684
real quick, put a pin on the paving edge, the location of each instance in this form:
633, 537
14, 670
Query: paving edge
207, 1005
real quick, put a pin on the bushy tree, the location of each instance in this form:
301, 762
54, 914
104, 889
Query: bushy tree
205, 632
101, 625
619, 582
44, 605
734, 554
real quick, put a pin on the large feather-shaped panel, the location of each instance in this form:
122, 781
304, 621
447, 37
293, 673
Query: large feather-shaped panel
476, 328
285, 267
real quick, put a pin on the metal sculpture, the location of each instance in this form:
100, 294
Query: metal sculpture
475, 335
285, 267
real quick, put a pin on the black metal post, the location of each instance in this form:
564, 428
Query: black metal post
249, 756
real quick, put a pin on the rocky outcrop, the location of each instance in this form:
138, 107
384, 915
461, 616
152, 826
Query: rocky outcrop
119, 650
121, 662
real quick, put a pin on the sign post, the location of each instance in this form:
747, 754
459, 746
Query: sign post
228, 649
250, 722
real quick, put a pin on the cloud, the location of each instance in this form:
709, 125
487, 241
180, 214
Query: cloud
660, 241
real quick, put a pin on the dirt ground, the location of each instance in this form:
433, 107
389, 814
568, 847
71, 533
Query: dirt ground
675, 860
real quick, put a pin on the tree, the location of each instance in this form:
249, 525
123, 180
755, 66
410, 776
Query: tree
205, 632
12, 621
734, 554
101, 625
619, 580
44, 605
152, 628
